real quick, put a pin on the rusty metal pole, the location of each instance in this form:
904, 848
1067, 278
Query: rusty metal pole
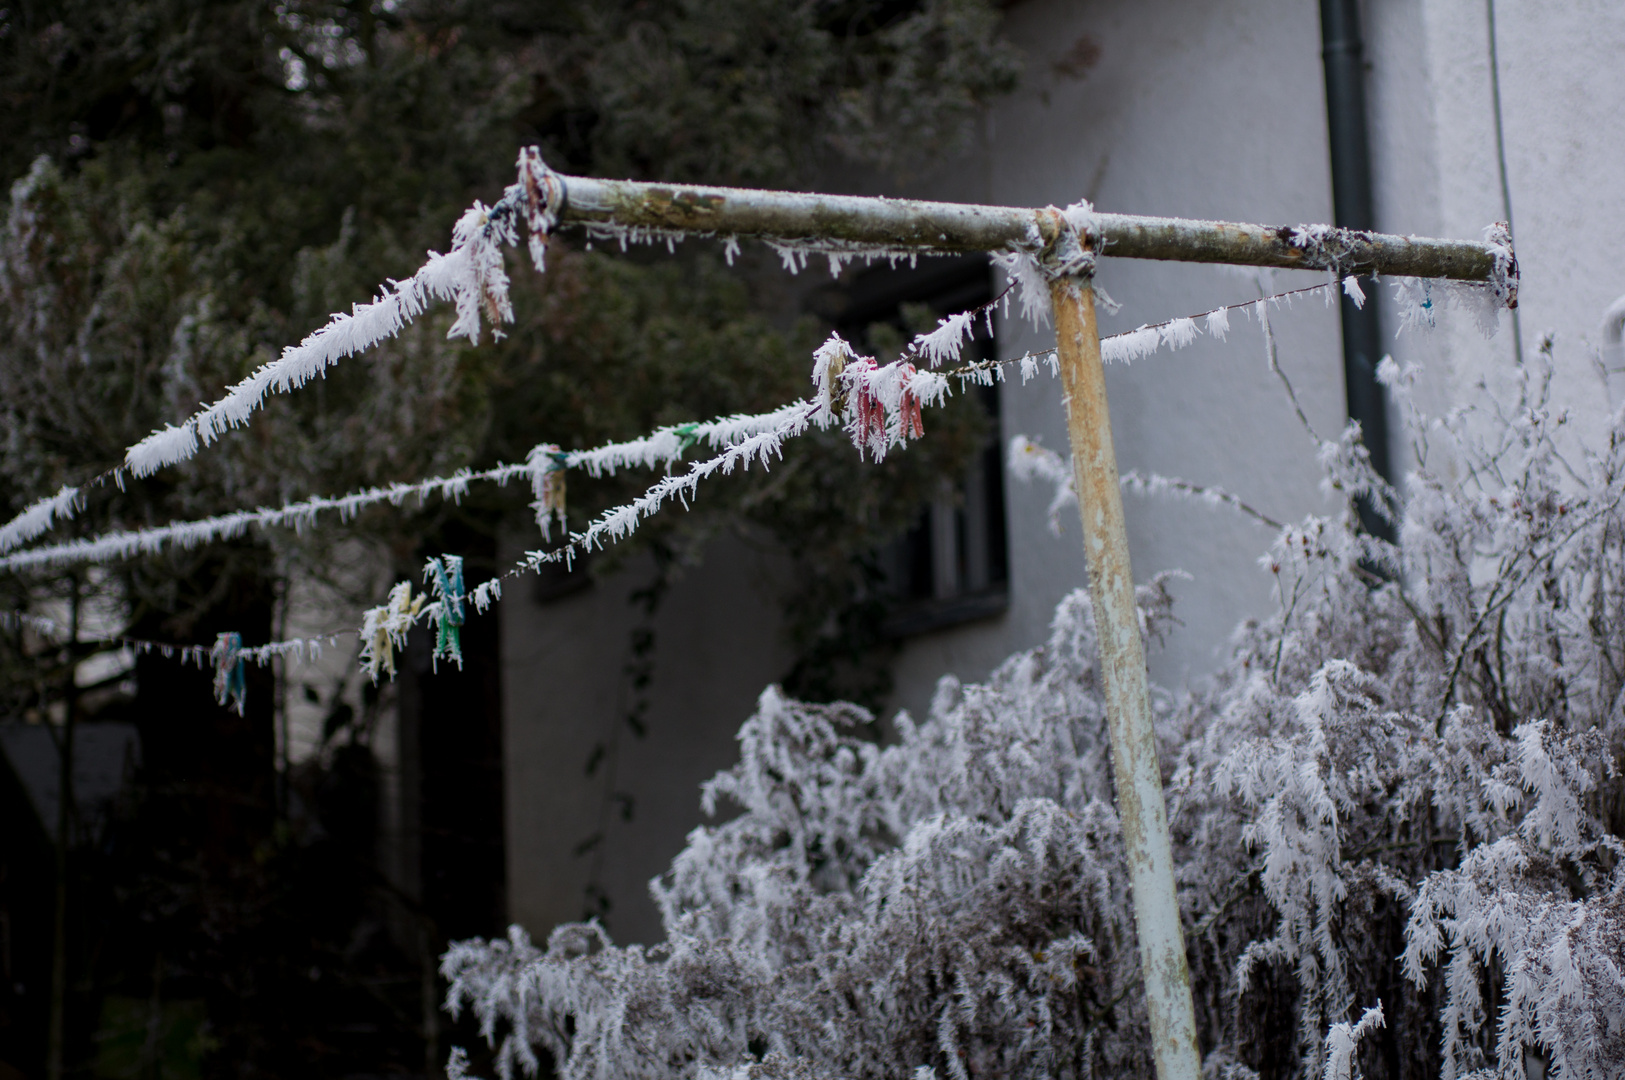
1140, 805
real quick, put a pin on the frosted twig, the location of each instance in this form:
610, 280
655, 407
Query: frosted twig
1157, 484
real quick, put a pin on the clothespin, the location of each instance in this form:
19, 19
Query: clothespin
867, 423
445, 576
547, 463
829, 363
686, 437
911, 422
230, 678
384, 629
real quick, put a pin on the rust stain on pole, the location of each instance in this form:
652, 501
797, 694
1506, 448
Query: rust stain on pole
1140, 802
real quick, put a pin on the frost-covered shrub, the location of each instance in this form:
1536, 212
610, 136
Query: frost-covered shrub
1395, 815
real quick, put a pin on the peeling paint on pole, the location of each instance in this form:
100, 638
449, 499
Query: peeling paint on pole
1140, 804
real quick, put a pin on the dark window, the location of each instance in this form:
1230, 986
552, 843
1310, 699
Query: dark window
952, 566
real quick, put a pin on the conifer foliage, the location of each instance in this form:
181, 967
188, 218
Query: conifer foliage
1395, 809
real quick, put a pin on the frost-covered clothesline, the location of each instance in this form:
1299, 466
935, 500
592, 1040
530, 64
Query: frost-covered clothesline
128, 543
878, 405
299, 649
471, 275
1175, 333
665, 446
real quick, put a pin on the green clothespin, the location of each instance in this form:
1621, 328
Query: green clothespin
445, 574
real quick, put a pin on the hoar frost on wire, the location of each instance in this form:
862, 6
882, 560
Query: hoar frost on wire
471, 275
1416, 761
1420, 299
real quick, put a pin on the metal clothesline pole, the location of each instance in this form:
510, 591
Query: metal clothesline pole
1140, 804
904, 226
852, 225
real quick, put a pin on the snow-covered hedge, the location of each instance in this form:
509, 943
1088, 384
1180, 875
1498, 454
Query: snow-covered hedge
1399, 792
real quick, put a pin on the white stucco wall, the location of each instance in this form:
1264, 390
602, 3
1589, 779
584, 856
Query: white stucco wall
1563, 106
1195, 109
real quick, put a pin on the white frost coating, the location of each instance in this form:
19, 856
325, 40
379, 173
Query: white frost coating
619, 522
38, 518
1503, 283
471, 275
943, 343
1134, 345
793, 254
1351, 289
1080, 216
298, 649
188, 534
1021, 267
485, 594
1156, 484
165, 447
1341, 1041
1218, 323
1179, 333
979, 856
667, 445
1420, 299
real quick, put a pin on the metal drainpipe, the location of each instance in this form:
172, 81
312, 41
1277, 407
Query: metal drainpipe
1343, 53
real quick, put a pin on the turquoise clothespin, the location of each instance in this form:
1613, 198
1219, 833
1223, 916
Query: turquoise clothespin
230, 676
445, 574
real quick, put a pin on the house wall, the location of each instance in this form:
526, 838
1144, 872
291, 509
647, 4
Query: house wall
1194, 109
716, 645
1164, 107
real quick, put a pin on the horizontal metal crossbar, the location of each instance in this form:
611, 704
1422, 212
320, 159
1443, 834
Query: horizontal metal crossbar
858, 223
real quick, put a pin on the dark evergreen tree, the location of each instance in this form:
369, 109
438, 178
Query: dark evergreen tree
196, 185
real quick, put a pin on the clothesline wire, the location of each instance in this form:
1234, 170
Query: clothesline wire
453, 486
